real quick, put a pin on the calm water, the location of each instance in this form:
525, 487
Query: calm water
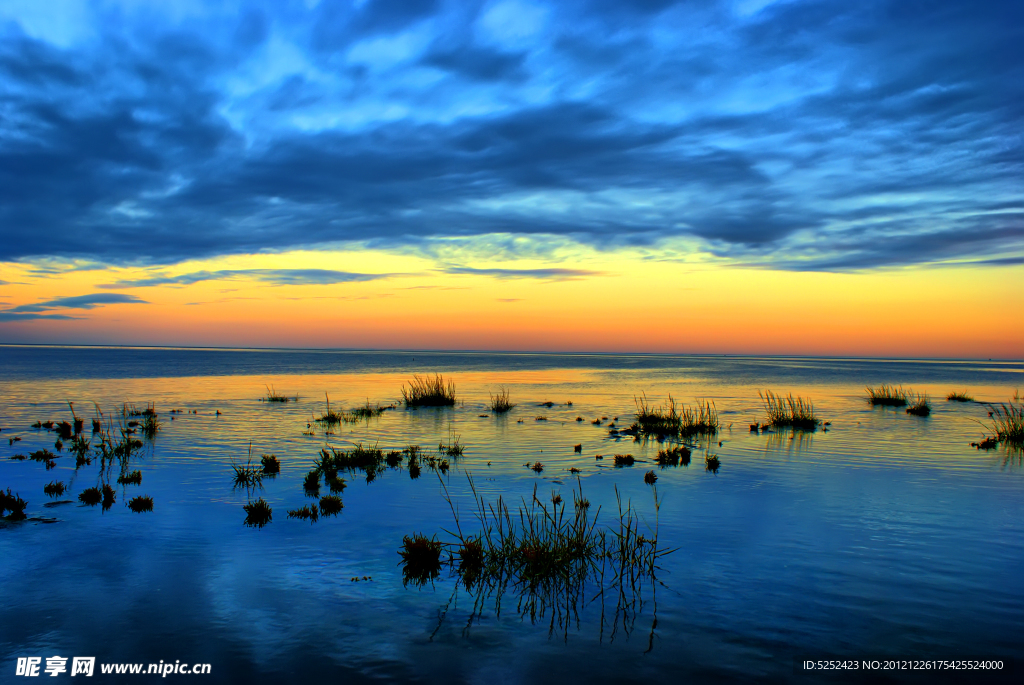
887, 535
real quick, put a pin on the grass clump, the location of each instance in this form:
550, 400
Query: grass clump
673, 456
329, 418
454, 448
311, 484
502, 402
888, 396
248, 475
13, 503
141, 503
650, 478
429, 392
45, 456
367, 412
789, 411
920, 406
55, 488
711, 463
330, 505
621, 460
133, 478
258, 513
961, 396
672, 421
1008, 424
271, 466
421, 559
90, 496
273, 396
306, 513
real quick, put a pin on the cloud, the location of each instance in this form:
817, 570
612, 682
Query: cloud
793, 135
271, 276
77, 302
31, 316
544, 274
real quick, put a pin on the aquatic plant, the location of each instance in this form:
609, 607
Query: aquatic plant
919, 405
367, 412
271, 466
454, 448
1008, 424
888, 395
621, 460
421, 559
789, 411
538, 467
650, 478
961, 396
141, 503
502, 402
711, 462
54, 488
394, 458
132, 478
90, 496
670, 421
258, 513
578, 449
306, 513
248, 475
13, 503
150, 425
311, 484
108, 496
672, 456
330, 505
429, 392
329, 418
45, 456
273, 396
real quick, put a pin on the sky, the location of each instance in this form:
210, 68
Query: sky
735, 176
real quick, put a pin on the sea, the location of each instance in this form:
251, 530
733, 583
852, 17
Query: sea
879, 547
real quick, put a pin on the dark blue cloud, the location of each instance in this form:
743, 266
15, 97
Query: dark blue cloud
271, 276
796, 135
44, 310
544, 274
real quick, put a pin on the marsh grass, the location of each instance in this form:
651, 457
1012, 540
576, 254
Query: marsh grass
673, 456
258, 513
311, 484
367, 411
328, 419
273, 396
420, 559
672, 420
133, 478
888, 396
13, 503
307, 513
502, 402
650, 478
429, 392
271, 465
54, 488
330, 505
1008, 424
454, 446
45, 456
141, 503
961, 396
919, 405
621, 460
553, 556
248, 475
789, 411
90, 496
711, 462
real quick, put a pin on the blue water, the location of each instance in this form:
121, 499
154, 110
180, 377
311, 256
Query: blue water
887, 535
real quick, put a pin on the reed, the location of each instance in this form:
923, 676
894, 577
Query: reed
133, 478
789, 411
1008, 424
650, 478
141, 503
330, 505
961, 396
429, 392
621, 460
454, 447
258, 513
54, 488
919, 405
888, 395
711, 463
673, 456
13, 503
421, 559
273, 396
306, 513
90, 496
248, 475
673, 421
311, 484
502, 402
108, 496
271, 465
